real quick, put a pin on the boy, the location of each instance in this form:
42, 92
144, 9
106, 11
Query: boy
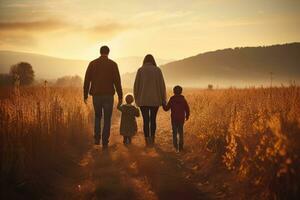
128, 127
180, 112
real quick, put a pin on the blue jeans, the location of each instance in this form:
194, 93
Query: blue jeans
103, 104
177, 130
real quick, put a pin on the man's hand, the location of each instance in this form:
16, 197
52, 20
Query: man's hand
120, 101
187, 117
85, 100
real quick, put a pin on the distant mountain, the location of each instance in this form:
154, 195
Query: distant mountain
245, 66
44, 66
47, 67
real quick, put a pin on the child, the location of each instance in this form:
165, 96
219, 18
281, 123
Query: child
180, 112
128, 127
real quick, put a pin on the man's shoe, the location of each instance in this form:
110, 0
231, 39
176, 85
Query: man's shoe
97, 142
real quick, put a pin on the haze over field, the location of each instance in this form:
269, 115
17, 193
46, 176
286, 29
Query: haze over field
249, 66
47, 67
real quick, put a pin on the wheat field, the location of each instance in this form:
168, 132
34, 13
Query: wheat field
246, 138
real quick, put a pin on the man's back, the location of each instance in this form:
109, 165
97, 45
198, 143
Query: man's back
102, 78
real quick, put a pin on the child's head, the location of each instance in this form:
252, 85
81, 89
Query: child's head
177, 90
129, 98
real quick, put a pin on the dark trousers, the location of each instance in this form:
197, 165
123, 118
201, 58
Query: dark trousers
177, 130
103, 104
149, 117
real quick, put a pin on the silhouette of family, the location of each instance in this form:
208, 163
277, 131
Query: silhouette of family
102, 79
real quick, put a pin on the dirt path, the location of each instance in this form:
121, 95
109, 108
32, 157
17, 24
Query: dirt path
134, 172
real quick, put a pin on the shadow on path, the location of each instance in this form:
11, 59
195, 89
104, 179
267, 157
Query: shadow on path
132, 172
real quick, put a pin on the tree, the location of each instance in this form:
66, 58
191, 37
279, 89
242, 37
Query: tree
210, 86
24, 72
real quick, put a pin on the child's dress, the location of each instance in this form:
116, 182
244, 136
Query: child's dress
128, 126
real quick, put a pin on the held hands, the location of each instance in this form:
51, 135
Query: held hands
120, 101
164, 105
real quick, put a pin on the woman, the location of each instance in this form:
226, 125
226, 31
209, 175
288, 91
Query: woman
149, 93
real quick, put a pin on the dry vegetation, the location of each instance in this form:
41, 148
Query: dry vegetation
254, 133
248, 138
41, 128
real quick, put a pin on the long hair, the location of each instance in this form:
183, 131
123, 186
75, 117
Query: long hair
149, 59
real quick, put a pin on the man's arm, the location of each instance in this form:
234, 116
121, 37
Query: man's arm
119, 106
187, 110
87, 82
117, 82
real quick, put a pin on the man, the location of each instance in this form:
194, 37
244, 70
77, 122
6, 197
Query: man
101, 80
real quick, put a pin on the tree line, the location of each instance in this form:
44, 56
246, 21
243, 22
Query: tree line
23, 74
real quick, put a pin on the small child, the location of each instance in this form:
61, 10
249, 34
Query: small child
128, 127
180, 112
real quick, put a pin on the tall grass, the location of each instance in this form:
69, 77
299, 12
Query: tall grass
255, 133
40, 127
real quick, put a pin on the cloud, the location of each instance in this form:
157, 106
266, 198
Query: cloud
18, 5
107, 30
43, 25
33, 33
16, 40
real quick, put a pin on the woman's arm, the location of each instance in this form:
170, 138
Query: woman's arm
162, 87
167, 106
136, 85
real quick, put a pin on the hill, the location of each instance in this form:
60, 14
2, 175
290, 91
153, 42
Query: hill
234, 67
44, 66
47, 67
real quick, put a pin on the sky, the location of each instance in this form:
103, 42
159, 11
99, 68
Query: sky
167, 29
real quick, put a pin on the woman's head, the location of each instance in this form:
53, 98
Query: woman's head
129, 98
149, 59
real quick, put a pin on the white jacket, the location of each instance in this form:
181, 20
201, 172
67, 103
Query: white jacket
149, 86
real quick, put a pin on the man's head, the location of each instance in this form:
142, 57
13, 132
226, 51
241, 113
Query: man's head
129, 98
104, 51
177, 90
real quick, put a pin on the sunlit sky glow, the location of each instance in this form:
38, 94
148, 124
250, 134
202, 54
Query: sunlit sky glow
168, 29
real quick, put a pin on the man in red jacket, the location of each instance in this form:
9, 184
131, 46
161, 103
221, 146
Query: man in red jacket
180, 112
101, 80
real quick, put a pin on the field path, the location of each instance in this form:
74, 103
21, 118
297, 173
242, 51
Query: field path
134, 172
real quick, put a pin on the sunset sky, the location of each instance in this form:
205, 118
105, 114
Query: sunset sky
168, 29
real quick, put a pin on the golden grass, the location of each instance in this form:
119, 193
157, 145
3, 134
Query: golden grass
254, 133
39, 127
